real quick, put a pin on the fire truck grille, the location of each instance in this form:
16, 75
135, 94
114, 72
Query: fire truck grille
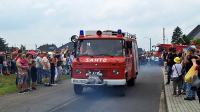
100, 73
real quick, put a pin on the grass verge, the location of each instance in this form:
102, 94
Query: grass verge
7, 84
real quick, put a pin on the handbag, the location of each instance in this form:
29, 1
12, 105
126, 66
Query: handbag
196, 81
190, 74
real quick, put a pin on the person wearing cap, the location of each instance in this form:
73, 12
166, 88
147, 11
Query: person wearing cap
176, 76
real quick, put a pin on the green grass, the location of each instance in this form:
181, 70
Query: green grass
7, 84
64, 77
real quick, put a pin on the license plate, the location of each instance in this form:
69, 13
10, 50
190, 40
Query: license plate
80, 81
94, 73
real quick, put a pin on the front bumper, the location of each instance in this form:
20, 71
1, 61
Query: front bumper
109, 82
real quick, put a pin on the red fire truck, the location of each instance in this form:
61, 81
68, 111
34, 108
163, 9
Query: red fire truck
166, 47
108, 58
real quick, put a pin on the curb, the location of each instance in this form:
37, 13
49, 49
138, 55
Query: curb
165, 99
164, 92
163, 103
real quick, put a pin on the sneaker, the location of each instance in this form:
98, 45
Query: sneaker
193, 98
21, 92
33, 88
48, 85
183, 93
40, 83
179, 93
174, 94
26, 90
167, 83
188, 98
54, 84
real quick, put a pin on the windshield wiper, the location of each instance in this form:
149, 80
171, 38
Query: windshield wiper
104, 55
84, 55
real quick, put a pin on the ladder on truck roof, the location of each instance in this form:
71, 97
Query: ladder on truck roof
111, 33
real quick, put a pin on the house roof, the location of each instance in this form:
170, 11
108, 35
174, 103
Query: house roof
48, 47
68, 45
194, 32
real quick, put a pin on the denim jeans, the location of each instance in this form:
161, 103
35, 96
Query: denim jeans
39, 75
47, 75
29, 78
189, 92
184, 86
59, 70
169, 72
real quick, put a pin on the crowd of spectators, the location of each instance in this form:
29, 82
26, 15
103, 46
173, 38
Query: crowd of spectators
183, 70
34, 69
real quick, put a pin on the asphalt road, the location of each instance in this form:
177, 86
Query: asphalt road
143, 97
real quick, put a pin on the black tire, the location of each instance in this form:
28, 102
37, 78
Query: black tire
78, 89
131, 82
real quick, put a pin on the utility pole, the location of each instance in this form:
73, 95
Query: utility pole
163, 35
35, 46
167, 40
150, 44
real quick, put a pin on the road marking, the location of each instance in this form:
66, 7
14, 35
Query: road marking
58, 107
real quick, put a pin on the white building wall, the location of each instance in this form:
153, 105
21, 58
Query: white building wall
197, 36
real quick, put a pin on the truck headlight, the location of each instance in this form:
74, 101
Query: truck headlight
116, 72
78, 71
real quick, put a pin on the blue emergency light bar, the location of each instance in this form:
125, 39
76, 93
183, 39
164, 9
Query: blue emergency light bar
81, 33
119, 31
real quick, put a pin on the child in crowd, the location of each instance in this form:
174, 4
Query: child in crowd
176, 76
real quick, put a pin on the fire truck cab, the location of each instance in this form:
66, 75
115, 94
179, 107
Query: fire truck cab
108, 58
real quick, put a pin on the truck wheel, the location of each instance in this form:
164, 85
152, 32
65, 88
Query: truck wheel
78, 89
131, 82
121, 90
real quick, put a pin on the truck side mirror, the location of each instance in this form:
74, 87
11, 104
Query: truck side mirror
74, 38
129, 45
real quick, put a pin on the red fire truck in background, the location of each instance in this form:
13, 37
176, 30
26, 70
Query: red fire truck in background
108, 58
166, 47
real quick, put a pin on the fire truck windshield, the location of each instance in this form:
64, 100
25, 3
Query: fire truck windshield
100, 47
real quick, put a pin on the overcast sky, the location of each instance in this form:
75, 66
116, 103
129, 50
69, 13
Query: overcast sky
31, 22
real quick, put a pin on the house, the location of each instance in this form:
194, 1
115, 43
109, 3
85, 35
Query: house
48, 48
195, 33
69, 45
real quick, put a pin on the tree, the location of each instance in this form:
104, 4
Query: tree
22, 48
177, 36
3, 45
197, 41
